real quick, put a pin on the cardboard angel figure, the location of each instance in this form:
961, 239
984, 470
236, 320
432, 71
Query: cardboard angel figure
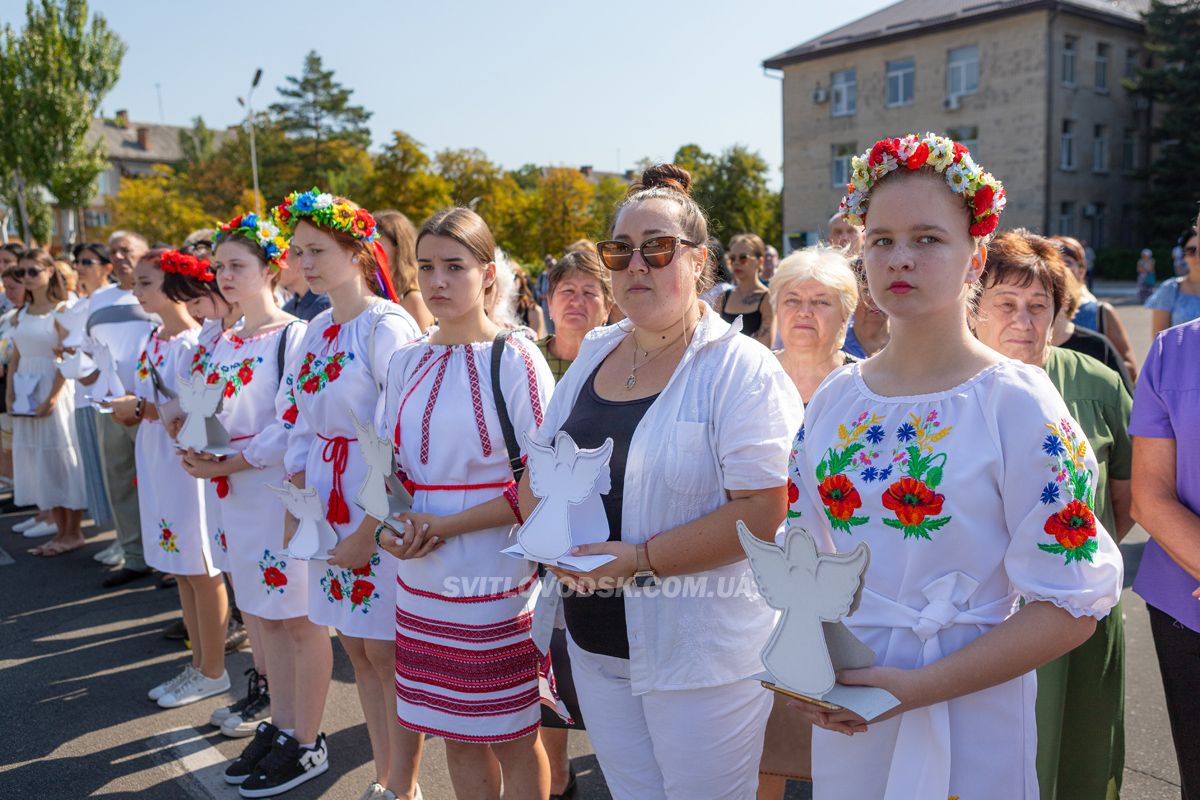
809, 642
73, 321
107, 384
24, 387
569, 480
76, 365
314, 536
381, 495
202, 431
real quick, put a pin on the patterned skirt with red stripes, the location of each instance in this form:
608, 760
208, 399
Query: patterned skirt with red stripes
466, 667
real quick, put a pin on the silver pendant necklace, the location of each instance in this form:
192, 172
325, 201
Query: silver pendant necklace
631, 381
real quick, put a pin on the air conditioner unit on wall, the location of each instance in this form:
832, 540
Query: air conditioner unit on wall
820, 94
1089, 210
952, 103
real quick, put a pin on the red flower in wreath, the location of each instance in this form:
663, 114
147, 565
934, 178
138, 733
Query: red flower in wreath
212, 378
882, 147
919, 157
960, 150
985, 225
1072, 526
983, 199
282, 212
335, 588
363, 571
363, 224
839, 496
332, 370
311, 384
360, 591
274, 578
911, 500
291, 415
793, 492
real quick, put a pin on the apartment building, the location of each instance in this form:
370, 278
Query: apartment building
1032, 87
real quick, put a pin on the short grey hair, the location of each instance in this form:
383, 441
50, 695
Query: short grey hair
825, 265
126, 235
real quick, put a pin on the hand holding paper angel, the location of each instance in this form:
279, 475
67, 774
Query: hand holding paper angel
108, 383
314, 537
563, 475
24, 386
381, 495
201, 430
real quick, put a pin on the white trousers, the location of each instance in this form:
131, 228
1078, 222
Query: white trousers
689, 744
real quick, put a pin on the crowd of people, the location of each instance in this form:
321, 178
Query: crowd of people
948, 391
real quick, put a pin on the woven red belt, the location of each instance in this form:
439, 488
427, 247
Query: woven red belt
337, 453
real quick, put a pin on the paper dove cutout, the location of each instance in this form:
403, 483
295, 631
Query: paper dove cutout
809, 642
381, 494
108, 383
201, 430
76, 365
74, 321
314, 537
569, 480
24, 385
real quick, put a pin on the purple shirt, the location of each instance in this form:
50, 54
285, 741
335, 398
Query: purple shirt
1166, 405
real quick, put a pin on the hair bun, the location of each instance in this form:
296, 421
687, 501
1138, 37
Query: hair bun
666, 176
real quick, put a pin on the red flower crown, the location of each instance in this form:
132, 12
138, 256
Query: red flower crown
187, 266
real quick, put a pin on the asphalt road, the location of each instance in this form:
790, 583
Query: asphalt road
76, 662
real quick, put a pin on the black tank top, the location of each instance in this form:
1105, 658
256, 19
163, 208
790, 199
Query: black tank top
751, 320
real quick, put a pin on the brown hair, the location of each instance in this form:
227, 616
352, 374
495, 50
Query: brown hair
1020, 258
674, 183
583, 262
58, 289
363, 252
583, 244
399, 230
1069, 247
752, 240
465, 227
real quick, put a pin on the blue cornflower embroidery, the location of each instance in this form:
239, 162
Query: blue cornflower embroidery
869, 474
1050, 493
1052, 445
906, 432
875, 434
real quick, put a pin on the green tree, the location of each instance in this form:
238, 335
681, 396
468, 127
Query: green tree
156, 206
53, 76
610, 190
1173, 84
198, 144
472, 177
403, 179
564, 207
317, 113
732, 188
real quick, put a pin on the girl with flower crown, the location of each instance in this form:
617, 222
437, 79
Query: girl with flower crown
337, 377
466, 666
965, 473
171, 502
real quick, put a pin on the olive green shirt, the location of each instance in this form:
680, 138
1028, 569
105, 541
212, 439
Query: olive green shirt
1098, 400
558, 366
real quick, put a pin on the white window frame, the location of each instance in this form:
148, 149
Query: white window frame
1069, 60
1066, 218
1130, 154
904, 73
962, 71
843, 92
1100, 148
1103, 51
1066, 146
967, 136
839, 167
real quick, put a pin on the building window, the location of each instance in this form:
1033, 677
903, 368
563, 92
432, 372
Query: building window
1066, 146
962, 71
1099, 214
95, 219
968, 137
901, 82
1068, 61
1102, 67
844, 87
840, 171
1132, 56
1066, 219
1129, 151
1100, 148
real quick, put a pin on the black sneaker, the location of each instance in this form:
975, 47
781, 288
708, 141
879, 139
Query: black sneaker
255, 685
256, 751
287, 766
245, 722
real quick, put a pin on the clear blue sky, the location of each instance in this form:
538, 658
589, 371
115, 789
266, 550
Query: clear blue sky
550, 83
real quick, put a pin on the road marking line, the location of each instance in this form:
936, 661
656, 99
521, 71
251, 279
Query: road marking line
198, 764
5, 558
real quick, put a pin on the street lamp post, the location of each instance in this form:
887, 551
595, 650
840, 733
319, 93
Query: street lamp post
253, 152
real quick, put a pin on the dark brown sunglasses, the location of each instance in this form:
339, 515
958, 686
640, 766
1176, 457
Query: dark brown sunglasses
742, 258
26, 272
657, 252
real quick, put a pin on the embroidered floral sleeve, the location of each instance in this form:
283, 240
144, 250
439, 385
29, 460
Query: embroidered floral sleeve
804, 498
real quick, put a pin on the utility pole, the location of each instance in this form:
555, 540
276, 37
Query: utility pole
253, 152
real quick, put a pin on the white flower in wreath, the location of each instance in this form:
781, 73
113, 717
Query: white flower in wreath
941, 154
324, 200
957, 178
855, 203
267, 231
886, 164
1000, 202
908, 146
972, 169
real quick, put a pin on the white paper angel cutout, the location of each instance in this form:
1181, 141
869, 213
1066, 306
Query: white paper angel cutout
810, 643
569, 480
382, 494
74, 366
24, 385
73, 320
202, 431
107, 384
314, 536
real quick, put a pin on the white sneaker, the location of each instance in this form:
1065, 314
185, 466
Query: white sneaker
166, 686
24, 525
116, 559
113, 549
197, 687
41, 529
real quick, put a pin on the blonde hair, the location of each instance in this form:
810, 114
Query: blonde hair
826, 265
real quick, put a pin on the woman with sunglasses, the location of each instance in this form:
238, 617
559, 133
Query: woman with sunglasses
1178, 299
699, 417
46, 461
747, 298
14, 296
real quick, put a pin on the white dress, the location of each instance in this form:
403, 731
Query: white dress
47, 468
198, 365
170, 501
970, 499
466, 665
340, 371
251, 515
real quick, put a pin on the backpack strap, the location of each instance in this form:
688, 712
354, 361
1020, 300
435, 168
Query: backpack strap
281, 352
510, 436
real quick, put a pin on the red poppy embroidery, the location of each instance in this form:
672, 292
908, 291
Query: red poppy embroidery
793, 492
838, 492
1073, 526
912, 501
840, 497
315, 374
361, 592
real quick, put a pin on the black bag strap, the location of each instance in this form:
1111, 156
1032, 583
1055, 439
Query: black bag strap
510, 436
281, 352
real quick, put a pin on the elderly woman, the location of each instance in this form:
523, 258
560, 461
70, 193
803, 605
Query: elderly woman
1080, 702
813, 295
579, 298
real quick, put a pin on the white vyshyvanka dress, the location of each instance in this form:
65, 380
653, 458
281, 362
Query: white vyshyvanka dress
970, 499
255, 401
340, 370
466, 665
174, 534
198, 365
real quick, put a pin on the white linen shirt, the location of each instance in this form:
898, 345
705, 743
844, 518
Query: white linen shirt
723, 423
